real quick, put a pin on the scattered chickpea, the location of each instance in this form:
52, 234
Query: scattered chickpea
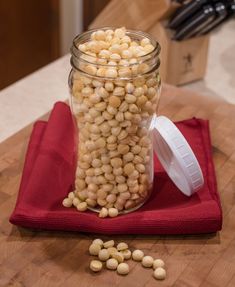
98, 241
103, 255
147, 261
126, 254
123, 269
67, 202
96, 265
158, 263
94, 249
108, 244
159, 273
137, 255
122, 246
118, 256
112, 264
112, 250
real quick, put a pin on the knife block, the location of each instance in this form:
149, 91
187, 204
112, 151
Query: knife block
181, 61
137, 14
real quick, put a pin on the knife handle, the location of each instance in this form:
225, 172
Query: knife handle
185, 12
221, 14
231, 10
188, 28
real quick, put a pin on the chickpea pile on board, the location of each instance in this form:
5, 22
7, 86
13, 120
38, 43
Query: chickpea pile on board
113, 258
113, 99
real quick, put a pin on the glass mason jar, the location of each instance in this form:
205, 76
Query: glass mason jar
113, 105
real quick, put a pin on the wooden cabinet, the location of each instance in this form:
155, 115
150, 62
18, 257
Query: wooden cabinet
29, 37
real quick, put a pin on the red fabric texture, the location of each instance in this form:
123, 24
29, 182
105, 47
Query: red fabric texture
48, 176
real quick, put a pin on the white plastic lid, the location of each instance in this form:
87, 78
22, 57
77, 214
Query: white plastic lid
176, 156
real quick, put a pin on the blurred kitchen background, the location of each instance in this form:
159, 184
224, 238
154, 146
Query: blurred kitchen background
34, 33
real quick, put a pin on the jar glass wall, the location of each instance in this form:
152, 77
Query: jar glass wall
113, 99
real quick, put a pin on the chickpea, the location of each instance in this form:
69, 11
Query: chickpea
124, 72
137, 255
111, 250
119, 116
105, 127
122, 135
118, 256
108, 244
119, 91
103, 212
129, 204
140, 167
123, 107
129, 88
112, 264
130, 99
120, 179
96, 265
116, 162
113, 212
116, 131
103, 255
123, 269
118, 171
159, 273
126, 254
114, 101
129, 168
111, 198
67, 202
102, 202
98, 241
90, 202
158, 263
123, 149
122, 246
113, 123
76, 201
109, 86
128, 157
111, 73
147, 261
122, 187
96, 162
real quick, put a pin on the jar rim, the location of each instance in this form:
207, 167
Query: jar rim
155, 52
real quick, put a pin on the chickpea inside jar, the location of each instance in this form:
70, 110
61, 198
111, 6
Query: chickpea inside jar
115, 89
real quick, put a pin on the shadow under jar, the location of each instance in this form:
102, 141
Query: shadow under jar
113, 102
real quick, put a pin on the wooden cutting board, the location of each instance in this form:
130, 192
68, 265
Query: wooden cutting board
41, 258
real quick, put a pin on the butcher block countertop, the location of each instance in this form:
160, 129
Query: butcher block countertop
42, 258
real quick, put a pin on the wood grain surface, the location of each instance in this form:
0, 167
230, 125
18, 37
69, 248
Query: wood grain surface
41, 258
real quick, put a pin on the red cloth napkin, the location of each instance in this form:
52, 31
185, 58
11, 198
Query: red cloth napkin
48, 176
